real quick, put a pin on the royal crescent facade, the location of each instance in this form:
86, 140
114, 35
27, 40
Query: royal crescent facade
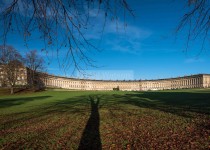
186, 82
52, 81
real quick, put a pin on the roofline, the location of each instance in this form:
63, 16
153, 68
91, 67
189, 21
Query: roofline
188, 76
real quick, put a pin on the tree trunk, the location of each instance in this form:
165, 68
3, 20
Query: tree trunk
11, 90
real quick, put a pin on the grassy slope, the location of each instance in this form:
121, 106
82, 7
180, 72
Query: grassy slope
62, 119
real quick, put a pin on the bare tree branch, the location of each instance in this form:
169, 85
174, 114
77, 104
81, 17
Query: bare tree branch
11, 64
197, 19
60, 24
34, 64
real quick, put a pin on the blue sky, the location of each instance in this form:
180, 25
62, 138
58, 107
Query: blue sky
147, 48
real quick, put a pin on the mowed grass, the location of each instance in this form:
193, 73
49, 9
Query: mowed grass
178, 119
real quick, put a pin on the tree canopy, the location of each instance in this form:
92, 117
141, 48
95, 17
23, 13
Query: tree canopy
60, 24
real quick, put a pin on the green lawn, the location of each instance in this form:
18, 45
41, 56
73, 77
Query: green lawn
178, 119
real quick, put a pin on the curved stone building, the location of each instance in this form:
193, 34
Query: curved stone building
193, 81
46, 80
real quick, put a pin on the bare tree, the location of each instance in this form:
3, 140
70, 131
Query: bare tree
11, 64
2, 76
35, 65
197, 19
61, 24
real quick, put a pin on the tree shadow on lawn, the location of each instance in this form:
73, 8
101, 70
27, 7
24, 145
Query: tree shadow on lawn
8, 102
171, 102
91, 136
80, 105
74, 105
177, 103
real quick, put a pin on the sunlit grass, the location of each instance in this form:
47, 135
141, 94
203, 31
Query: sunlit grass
139, 120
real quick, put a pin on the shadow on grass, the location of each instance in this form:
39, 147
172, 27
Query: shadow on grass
177, 103
91, 136
8, 102
183, 104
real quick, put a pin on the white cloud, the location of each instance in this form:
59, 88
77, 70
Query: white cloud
124, 45
100, 25
194, 60
130, 31
117, 35
128, 38
118, 28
